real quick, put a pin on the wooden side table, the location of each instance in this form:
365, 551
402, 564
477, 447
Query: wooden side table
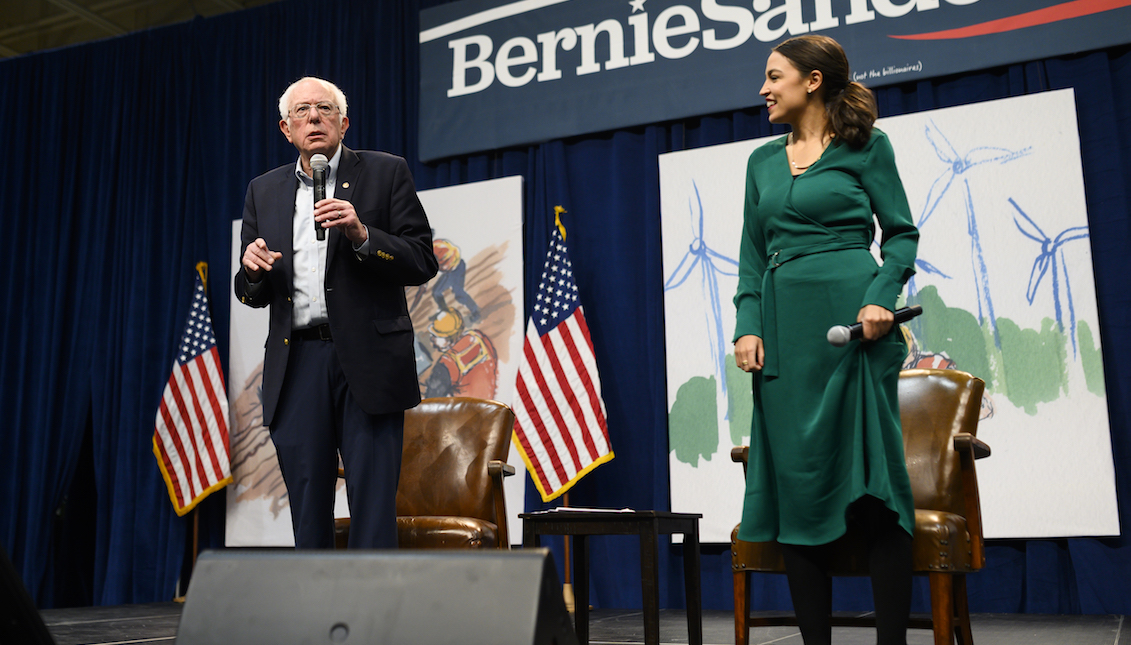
649, 525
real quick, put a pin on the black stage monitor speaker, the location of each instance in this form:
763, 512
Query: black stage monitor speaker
388, 597
20, 623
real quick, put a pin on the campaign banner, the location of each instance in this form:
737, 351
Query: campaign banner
499, 74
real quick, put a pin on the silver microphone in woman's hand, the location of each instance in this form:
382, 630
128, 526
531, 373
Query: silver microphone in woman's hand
841, 335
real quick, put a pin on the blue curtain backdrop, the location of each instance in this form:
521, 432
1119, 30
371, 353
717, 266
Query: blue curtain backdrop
128, 160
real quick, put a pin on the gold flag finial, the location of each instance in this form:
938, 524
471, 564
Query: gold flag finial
202, 269
558, 210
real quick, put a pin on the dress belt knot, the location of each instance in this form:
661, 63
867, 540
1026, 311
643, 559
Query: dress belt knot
769, 306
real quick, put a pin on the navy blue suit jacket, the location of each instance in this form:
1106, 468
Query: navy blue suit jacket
365, 297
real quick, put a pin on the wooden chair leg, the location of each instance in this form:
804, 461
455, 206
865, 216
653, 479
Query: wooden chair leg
741, 607
942, 607
962, 612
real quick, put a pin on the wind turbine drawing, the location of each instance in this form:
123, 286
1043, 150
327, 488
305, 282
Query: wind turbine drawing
712, 264
1051, 256
958, 167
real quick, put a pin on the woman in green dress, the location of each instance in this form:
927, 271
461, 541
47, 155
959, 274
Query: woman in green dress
826, 448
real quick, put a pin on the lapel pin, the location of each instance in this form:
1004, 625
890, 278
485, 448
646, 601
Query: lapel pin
345, 184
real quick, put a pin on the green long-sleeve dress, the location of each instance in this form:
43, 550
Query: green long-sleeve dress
826, 428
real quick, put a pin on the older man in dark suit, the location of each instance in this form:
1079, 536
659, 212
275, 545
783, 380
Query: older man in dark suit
339, 369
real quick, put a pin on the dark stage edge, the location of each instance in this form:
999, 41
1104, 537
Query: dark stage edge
157, 623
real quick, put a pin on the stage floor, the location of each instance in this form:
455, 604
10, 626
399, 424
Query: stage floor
157, 623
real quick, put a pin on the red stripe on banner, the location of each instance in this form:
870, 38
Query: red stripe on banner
193, 475
540, 432
586, 383
209, 418
591, 386
543, 428
168, 435
563, 384
1056, 13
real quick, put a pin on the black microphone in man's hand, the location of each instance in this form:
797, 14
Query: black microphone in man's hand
841, 335
320, 165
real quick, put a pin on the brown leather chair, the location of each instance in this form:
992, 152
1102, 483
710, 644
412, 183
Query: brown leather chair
450, 494
939, 410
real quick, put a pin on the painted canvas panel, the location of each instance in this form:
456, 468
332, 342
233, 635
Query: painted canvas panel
468, 327
1005, 279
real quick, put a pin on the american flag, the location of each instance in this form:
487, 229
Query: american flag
190, 434
559, 415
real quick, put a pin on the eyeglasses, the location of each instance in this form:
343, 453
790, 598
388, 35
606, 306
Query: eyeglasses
302, 110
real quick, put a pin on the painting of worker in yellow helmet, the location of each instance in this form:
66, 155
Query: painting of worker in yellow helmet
468, 319
468, 364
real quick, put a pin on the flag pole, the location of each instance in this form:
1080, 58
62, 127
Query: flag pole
560, 320
558, 210
567, 585
196, 352
195, 538
202, 269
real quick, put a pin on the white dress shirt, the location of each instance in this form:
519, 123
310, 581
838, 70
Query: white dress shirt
310, 253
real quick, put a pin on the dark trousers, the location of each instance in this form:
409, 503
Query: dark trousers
889, 565
316, 418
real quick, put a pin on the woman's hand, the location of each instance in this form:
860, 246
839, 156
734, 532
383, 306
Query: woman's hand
749, 354
876, 320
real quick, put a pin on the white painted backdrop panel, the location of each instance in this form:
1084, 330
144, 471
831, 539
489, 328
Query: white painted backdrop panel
1005, 277
484, 221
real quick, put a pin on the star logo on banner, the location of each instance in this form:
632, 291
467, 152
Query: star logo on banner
637, 5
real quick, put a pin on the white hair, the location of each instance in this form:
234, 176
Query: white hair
285, 99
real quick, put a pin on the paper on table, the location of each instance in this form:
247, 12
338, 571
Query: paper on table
582, 509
